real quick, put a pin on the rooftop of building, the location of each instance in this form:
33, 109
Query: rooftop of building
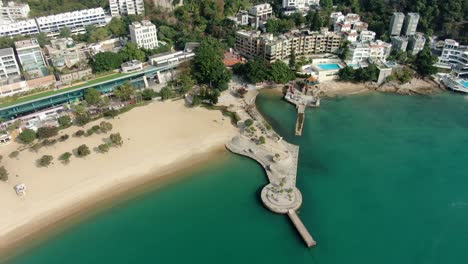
261, 6
143, 23
191, 46
399, 38
418, 35
413, 14
450, 42
231, 58
19, 24
61, 43
367, 32
131, 63
352, 17
379, 43
252, 34
6, 52
70, 15
27, 43
13, 4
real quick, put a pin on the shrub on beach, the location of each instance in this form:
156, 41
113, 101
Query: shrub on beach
65, 157
82, 119
89, 132
49, 142
116, 139
47, 132
96, 129
36, 146
261, 140
45, 161
64, 121
3, 174
105, 126
14, 154
111, 113
79, 133
104, 148
83, 151
248, 122
64, 137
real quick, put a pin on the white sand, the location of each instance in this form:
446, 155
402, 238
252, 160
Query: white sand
158, 138
334, 88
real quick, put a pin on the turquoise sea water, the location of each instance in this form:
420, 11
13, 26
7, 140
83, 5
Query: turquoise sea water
384, 180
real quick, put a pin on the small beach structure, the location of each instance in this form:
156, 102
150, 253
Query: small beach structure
324, 69
5, 138
20, 189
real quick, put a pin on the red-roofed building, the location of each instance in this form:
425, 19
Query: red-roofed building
231, 58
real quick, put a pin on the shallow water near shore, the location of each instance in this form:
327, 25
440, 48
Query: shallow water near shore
383, 179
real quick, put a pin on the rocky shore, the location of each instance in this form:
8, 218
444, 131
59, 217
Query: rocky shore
414, 87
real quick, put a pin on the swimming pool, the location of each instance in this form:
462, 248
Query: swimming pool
464, 83
329, 66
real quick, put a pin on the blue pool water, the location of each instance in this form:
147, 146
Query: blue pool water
464, 83
329, 66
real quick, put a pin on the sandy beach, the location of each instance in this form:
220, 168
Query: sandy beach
159, 139
334, 88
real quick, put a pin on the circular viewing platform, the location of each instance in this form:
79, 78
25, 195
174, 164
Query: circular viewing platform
280, 200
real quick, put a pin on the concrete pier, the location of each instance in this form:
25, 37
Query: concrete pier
301, 101
279, 159
300, 119
308, 239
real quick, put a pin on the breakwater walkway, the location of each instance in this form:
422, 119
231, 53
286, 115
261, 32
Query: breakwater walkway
301, 101
279, 159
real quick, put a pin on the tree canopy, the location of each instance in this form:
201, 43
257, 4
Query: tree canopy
92, 96
106, 61
125, 91
258, 70
425, 62
277, 26
65, 32
132, 52
281, 73
370, 73
27, 136
208, 66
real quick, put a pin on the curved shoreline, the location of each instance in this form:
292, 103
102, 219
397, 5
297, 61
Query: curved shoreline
151, 154
30, 234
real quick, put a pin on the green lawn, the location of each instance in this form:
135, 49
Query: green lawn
49, 93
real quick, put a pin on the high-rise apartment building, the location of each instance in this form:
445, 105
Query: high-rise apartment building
144, 34
396, 23
399, 43
13, 11
250, 43
126, 7
416, 43
411, 24
254, 44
